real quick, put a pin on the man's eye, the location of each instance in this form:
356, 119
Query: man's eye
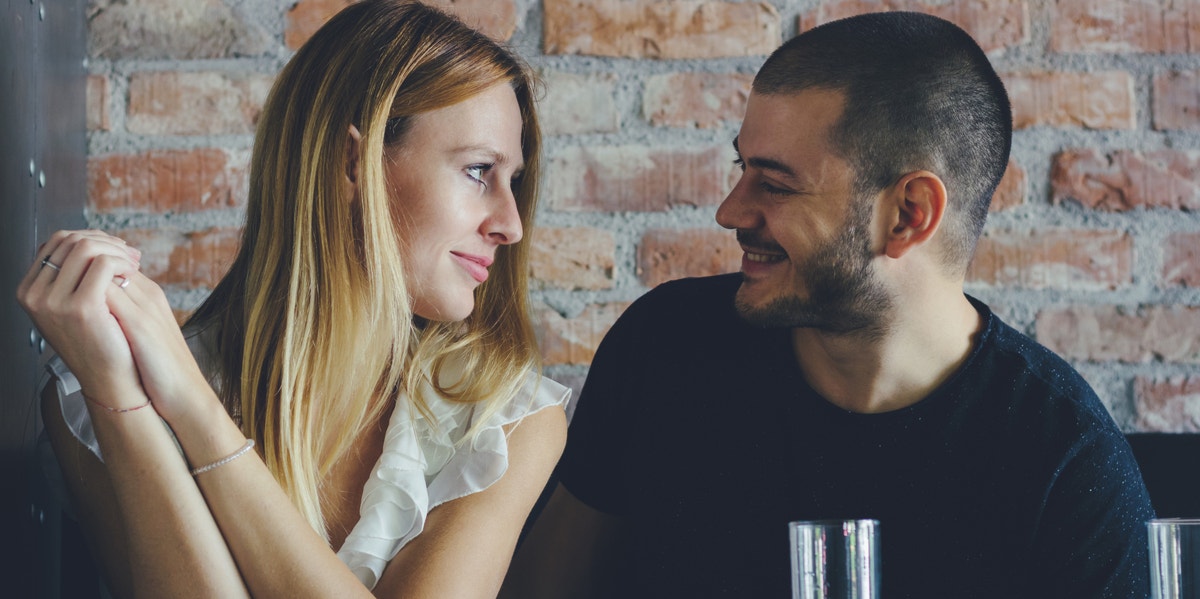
773, 190
740, 164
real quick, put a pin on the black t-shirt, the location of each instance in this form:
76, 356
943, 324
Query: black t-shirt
1010, 480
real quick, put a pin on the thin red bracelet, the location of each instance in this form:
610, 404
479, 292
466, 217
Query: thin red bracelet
117, 410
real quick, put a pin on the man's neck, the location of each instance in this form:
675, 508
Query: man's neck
920, 349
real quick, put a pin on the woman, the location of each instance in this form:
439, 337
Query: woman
356, 381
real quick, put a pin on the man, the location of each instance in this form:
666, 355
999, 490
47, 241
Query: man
843, 373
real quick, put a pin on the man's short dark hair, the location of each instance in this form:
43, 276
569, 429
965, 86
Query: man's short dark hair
920, 94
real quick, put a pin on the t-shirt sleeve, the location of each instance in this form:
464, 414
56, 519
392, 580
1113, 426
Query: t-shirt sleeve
590, 467
1094, 542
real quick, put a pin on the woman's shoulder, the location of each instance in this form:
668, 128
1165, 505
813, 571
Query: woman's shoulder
430, 459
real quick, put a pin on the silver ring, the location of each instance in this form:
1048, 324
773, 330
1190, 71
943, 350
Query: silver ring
46, 262
124, 282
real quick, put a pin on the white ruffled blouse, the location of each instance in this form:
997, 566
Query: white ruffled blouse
423, 465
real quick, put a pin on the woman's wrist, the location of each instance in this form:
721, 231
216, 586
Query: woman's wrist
113, 400
206, 432
116, 410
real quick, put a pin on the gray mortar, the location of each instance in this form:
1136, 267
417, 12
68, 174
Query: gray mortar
1033, 150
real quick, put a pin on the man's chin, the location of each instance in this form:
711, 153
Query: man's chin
761, 312
793, 312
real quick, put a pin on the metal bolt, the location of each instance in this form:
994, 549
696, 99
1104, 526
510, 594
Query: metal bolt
33, 337
42, 345
41, 12
41, 516
41, 178
32, 168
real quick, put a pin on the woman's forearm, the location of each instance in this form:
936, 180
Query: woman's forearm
278, 552
174, 546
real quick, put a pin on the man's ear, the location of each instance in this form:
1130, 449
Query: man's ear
915, 209
352, 153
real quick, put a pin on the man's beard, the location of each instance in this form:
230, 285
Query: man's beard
843, 294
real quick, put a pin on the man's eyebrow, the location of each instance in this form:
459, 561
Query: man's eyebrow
766, 164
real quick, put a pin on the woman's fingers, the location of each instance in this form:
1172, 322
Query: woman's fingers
53, 255
62, 293
167, 370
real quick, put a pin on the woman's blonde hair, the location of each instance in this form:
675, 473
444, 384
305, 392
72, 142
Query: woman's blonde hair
317, 334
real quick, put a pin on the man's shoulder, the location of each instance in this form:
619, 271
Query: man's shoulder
678, 317
1042, 376
722, 286
692, 296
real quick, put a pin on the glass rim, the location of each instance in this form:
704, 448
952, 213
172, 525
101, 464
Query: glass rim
837, 522
1171, 521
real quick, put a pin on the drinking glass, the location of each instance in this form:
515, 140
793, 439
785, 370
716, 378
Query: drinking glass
1174, 558
835, 559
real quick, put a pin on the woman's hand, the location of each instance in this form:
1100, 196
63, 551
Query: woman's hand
169, 373
66, 293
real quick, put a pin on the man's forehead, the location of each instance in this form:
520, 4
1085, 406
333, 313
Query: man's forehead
784, 120
812, 106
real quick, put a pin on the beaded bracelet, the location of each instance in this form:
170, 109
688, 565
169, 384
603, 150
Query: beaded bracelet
225, 460
117, 410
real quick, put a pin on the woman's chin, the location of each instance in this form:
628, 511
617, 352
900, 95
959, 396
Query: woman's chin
444, 313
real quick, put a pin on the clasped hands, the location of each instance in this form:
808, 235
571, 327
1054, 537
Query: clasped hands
110, 324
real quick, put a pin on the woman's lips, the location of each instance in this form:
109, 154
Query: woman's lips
476, 266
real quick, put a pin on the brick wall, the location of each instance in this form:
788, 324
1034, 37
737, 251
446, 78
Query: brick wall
1093, 246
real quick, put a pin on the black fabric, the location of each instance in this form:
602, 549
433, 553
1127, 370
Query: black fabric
1011, 480
1167, 461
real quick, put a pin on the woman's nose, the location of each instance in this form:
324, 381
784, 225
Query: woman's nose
504, 224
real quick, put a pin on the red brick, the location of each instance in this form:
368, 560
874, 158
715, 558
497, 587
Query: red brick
702, 100
1124, 180
579, 104
97, 103
574, 340
1114, 334
666, 254
186, 259
1053, 259
1010, 193
179, 29
1177, 101
307, 16
189, 103
1101, 100
1181, 259
995, 24
1167, 406
496, 18
1124, 26
637, 178
660, 28
572, 258
161, 181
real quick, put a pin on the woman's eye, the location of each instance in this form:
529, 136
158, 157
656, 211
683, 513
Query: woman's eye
477, 171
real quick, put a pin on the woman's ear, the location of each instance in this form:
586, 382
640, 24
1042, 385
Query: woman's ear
917, 207
352, 153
